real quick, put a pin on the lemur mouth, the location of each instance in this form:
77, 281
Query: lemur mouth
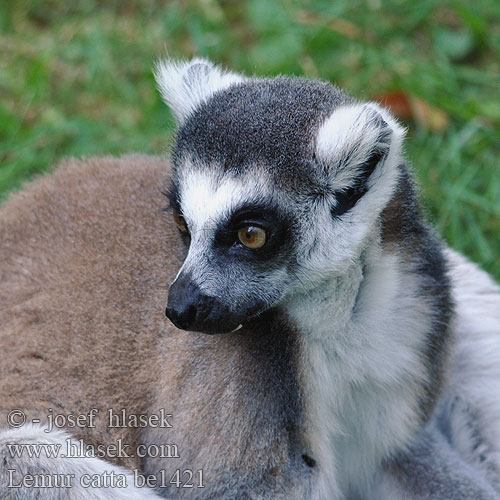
192, 319
226, 326
211, 329
224, 331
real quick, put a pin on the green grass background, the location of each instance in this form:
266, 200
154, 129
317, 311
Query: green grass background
75, 80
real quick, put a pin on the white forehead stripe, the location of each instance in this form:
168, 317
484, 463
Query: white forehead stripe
205, 199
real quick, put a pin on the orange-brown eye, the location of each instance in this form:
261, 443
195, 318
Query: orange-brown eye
180, 222
252, 237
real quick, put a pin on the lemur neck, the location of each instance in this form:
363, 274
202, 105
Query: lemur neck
361, 369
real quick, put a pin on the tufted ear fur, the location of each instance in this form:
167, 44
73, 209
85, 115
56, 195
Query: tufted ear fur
359, 148
184, 85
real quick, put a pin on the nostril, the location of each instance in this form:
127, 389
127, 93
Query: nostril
182, 319
189, 315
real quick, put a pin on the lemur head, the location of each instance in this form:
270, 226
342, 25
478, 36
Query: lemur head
277, 184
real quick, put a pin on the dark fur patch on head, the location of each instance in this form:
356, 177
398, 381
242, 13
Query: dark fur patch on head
267, 121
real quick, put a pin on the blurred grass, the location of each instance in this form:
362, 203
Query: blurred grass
75, 79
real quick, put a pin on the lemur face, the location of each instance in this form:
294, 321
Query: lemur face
277, 184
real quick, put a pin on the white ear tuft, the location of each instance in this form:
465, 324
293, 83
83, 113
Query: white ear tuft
354, 139
184, 85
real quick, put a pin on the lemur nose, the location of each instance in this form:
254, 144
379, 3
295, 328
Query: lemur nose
189, 308
182, 319
182, 299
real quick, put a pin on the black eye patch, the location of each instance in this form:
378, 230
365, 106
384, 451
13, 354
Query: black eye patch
276, 224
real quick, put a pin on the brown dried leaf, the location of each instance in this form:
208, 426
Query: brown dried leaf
409, 107
429, 117
398, 102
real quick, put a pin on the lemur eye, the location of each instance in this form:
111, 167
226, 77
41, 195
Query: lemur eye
180, 222
252, 237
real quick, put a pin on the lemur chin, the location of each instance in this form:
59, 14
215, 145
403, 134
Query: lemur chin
351, 354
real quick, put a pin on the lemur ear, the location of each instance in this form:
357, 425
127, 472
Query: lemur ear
359, 146
184, 85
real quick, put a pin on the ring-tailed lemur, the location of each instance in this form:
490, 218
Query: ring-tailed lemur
352, 356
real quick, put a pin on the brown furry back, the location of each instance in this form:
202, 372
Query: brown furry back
83, 285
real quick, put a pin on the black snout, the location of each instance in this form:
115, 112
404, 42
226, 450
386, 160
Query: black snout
183, 298
190, 309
